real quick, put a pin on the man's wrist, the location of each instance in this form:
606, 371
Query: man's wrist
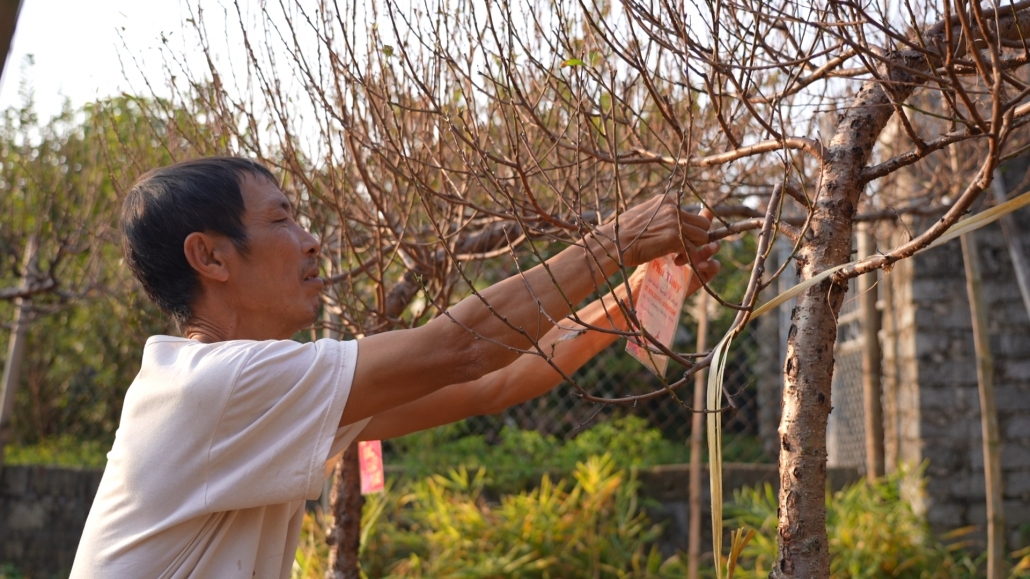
602, 254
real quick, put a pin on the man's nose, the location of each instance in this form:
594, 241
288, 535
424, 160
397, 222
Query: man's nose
311, 244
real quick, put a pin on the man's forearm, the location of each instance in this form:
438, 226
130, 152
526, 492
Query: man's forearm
511, 316
528, 377
567, 347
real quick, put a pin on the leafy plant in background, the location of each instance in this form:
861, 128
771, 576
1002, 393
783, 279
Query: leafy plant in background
588, 526
873, 532
519, 457
591, 526
65, 450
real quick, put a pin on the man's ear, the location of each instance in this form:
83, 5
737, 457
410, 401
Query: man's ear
206, 254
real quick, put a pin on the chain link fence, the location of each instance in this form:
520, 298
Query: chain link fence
845, 430
615, 374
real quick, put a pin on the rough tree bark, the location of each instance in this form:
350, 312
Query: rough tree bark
808, 368
344, 537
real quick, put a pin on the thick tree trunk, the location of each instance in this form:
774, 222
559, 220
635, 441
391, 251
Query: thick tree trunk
808, 368
345, 536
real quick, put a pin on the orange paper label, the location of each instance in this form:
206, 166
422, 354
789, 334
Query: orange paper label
370, 457
658, 308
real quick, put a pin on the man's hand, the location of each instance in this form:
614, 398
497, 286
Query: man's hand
705, 268
655, 228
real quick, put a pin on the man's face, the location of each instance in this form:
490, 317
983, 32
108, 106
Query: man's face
275, 284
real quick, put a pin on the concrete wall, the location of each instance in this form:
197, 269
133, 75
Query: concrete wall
43, 510
932, 408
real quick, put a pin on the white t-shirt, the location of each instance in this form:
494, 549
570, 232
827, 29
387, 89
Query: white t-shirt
218, 447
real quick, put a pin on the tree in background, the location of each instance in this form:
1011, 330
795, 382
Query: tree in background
452, 133
81, 320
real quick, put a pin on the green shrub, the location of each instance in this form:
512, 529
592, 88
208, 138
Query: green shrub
872, 532
444, 527
59, 451
519, 457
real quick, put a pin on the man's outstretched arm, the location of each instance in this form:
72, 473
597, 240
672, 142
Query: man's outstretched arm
486, 332
530, 375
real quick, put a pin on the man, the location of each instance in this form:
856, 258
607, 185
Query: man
227, 431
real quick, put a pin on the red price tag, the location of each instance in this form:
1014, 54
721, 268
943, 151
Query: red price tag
658, 309
370, 457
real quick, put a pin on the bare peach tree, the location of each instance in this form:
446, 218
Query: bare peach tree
437, 145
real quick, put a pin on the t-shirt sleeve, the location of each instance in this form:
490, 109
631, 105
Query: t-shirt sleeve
344, 436
275, 433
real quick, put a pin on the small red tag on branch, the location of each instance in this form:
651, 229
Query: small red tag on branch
370, 458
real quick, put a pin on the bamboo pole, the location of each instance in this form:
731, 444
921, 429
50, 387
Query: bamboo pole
872, 389
696, 441
988, 410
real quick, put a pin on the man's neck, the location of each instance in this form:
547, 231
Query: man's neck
202, 331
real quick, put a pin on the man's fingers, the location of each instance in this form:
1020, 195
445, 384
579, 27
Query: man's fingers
695, 219
696, 226
706, 251
708, 269
699, 255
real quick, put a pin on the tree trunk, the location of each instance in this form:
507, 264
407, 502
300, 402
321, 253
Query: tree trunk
345, 536
808, 369
696, 440
16, 347
988, 410
12, 370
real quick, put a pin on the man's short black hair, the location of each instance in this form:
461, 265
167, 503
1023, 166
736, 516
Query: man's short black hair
165, 206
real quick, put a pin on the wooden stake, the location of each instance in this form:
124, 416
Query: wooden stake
696, 441
872, 389
988, 410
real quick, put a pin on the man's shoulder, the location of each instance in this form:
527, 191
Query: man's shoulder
171, 359
270, 347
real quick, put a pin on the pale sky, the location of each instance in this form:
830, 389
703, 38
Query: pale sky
75, 46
